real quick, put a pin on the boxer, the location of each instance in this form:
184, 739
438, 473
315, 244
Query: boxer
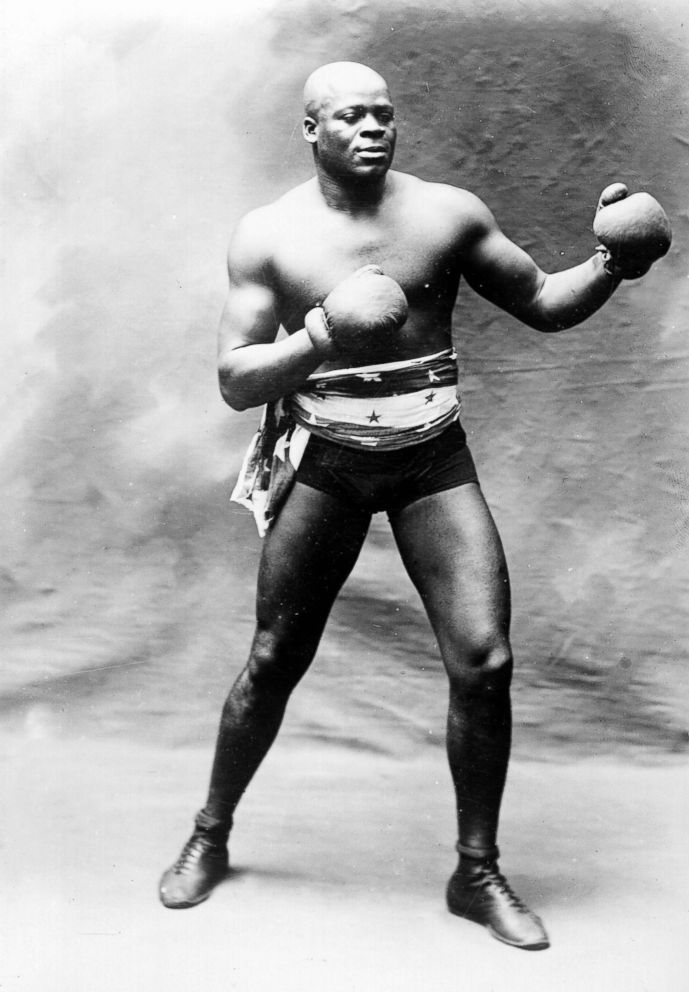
361, 266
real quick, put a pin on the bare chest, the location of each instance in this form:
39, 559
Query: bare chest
311, 258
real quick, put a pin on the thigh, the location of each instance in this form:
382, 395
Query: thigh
452, 551
307, 555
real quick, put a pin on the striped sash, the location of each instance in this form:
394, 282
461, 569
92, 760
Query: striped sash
387, 406
381, 406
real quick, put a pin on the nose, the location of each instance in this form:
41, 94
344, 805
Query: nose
372, 127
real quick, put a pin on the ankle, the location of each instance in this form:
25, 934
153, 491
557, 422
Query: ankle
217, 828
475, 859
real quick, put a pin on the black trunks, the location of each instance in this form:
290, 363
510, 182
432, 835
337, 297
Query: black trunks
388, 480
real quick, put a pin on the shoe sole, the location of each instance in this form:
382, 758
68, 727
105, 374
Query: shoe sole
540, 945
183, 905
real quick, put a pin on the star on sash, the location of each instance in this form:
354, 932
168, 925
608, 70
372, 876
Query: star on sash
430, 397
373, 417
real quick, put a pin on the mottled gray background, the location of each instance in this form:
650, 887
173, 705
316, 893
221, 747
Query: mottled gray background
131, 146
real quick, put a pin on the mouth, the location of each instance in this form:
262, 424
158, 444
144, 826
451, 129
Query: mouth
373, 153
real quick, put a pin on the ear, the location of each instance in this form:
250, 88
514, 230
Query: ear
309, 130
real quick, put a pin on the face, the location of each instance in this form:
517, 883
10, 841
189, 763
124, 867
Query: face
354, 132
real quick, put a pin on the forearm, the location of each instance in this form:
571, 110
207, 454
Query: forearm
258, 373
568, 298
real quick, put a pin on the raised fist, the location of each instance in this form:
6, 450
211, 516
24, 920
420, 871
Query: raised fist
633, 231
361, 314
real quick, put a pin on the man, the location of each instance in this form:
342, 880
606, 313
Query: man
338, 445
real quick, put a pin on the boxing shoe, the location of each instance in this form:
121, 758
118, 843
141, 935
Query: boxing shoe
360, 316
480, 893
202, 864
633, 231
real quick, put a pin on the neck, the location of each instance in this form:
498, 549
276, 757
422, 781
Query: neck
352, 196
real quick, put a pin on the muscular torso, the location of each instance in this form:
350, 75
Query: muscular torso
411, 235
286, 258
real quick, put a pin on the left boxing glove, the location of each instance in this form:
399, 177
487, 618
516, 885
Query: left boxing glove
633, 231
362, 313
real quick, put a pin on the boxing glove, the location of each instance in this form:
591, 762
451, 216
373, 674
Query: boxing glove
633, 231
362, 313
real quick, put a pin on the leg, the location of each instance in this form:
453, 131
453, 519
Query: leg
452, 551
306, 557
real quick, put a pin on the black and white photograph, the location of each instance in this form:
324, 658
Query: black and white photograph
345, 465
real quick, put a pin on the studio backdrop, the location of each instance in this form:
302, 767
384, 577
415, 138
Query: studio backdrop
131, 146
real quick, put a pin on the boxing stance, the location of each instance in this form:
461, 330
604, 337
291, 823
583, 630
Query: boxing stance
361, 266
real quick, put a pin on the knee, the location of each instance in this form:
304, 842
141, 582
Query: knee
275, 662
481, 666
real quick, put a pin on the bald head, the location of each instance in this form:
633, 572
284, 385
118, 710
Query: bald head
349, 122
328, 82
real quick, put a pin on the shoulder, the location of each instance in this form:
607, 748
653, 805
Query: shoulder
452, 205
254, 237
459, 203
248, 250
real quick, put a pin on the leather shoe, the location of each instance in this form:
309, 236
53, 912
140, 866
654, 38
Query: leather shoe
202, 864
481, 894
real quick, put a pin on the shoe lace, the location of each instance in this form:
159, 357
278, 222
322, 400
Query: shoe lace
493, 877
195, 848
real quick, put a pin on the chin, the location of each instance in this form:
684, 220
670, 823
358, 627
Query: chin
373, 170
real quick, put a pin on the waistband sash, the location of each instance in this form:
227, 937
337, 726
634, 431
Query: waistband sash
388, 406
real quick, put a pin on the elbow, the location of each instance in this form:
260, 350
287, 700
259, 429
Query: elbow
554, 324
550, 327
230, 392
543, 323
551, 321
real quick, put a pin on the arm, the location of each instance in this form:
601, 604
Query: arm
504, 274
253, 367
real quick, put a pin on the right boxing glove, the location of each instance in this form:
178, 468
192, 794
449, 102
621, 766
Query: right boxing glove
363, 312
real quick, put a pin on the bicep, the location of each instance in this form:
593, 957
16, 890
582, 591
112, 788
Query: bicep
249, 315
501, 271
